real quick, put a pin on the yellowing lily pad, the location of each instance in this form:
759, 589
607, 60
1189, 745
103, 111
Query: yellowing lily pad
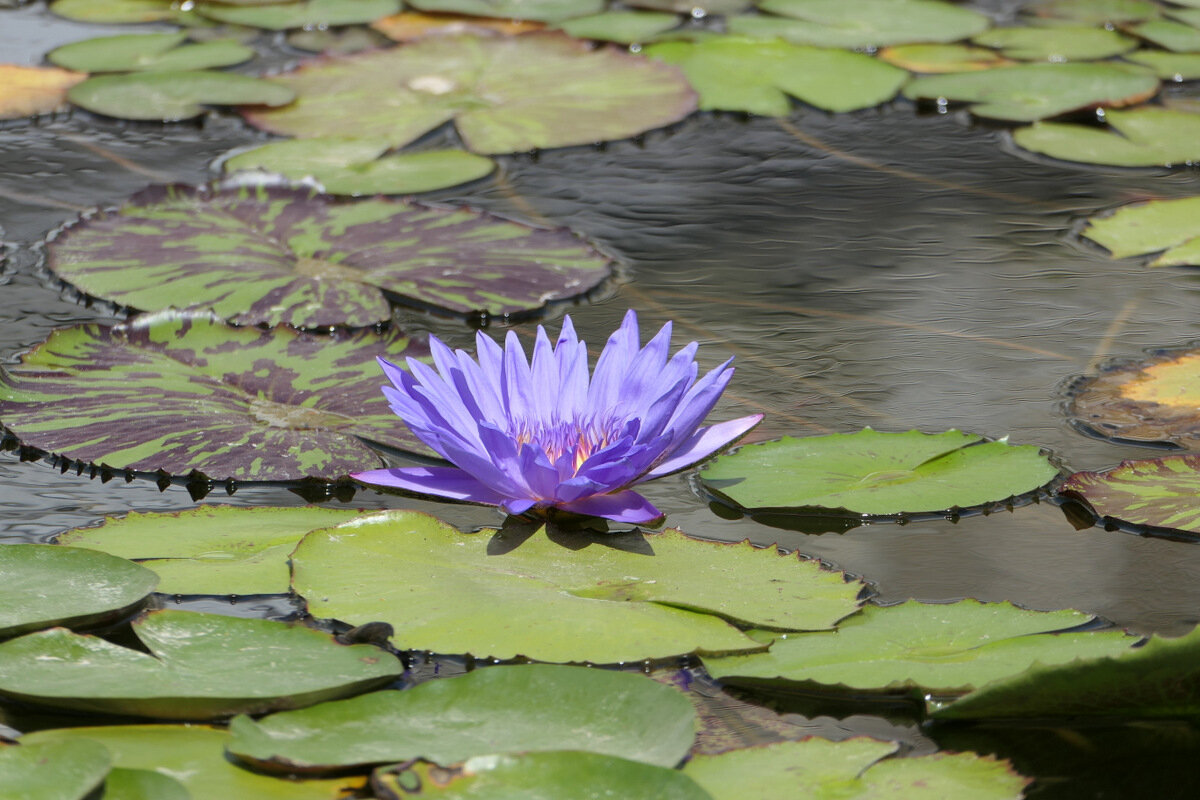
863, 23
199, 666
757, 76
1170, 226
171, 95
29, 91
210, 549
1156, 493
1154, 401
939, 58
579, 597
147, 52
1140, 137
409, 25
870, 472
505, 94
1036, 91
1056, 43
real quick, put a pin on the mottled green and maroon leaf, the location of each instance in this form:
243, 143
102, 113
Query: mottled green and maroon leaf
505, 94
268, 255
179, 393
1156, 492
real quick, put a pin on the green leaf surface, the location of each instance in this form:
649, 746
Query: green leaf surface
43, 585
194, 755
1142, 137
1056, 44
625, 27
851, 769
199, 666
756, 76
1159, 679
505, 94
1158, 492
259, 255
1172, 226
1169, 66
143, 52
170, 95
863, 23
939, 58
69, 770
706, 7
1092, 12
506, 709
560, 597
142, 784
298, 14
183, 393
870, 472
210, 549
1170, 35
556, 775
114, 12
1027, 92
917, 648
539, 10
353, 166
1188, 16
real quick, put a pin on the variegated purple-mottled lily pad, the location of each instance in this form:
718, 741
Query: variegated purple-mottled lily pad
1155, 492
268, 255
505, 94
183, 393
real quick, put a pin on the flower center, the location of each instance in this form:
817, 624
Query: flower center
570, 443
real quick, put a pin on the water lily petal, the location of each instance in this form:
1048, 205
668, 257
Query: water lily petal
704, 443
544, 375
622, 346
449, 482
624, 506
516, 383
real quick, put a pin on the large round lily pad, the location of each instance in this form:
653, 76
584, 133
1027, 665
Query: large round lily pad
870, 472
1140, 137
917, 648
756, 76
267, 255
1056, 44
42, 585
1154, 401
199, 666
354, 166
863, 23
1172, 226
210, 549
122, 11
195, 756
149, 51
566, 597
171, 95
298, 13
506, 709
29, 91
1037, 91
182, 393
1157, 492
505, 94
67, 770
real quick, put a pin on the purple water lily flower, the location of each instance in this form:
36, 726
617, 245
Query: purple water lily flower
534, 436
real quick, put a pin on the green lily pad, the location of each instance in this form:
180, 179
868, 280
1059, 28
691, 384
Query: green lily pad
298, 13
700, 8
1169, 35
1142, 137
259, 255
339, 41
583, 598
69, 770
851, 769
1153, 401
181, 393
878, 473
190, 671
756, 76
1188, 16
1092, 12
195, 756
1171, 226
1026, 92
42, 585
170, 95
538, 10
863, 23
496, 710
354, 166
1157, 492
939, 58
1158, 679
1056, 44
505, 94
1169, 66
148, 52
917, 648
209, 549
142, 784
555, 775
626, 27
113, 12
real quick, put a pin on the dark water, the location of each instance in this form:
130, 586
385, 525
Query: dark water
889, 268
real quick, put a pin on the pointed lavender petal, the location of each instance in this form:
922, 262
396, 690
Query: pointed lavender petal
517, 506
704, 443
544, 378
516, 382
697, 403
448, 482
624, 506
622, 346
